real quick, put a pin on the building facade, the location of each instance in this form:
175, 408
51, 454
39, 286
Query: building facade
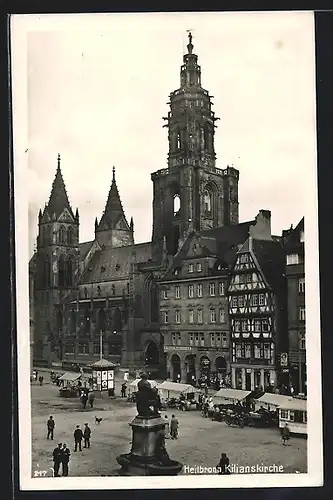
295, 275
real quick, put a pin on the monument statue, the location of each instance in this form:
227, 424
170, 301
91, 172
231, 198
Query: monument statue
148, 401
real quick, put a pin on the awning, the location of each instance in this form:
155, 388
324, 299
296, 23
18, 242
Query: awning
232, 394
273, 399
175, 387
70, 377
137, 380
294, 404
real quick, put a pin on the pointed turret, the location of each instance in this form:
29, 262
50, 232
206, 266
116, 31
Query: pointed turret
132, 224
58, 199
113, 228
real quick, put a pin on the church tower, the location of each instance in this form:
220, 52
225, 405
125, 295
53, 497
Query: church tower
57, 261
192, 193
113, 229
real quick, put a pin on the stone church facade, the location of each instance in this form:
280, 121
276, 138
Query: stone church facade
127, 293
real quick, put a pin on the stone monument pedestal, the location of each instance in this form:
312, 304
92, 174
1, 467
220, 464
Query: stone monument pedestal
142, 459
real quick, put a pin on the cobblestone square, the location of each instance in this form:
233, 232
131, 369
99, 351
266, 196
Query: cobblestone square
201, 441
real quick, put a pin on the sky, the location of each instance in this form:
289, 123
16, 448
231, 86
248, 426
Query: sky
98, 86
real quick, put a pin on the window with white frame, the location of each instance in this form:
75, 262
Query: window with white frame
217, 340
244, 258
244, 325
165, 294
176, 339
292, 259
237, 325
224, 340
191, 338
267, 351
257, 325
265, 325
165, 317
199, 267
191, 316
222, 315
254, 300
261, 299
242, 278
241, 301
284, 414
301, 285
212, 289
257, 353
221, 288
302, 343
249, 278
292, 416
202, 339
84, 348
190, 291
177, 292
238, 351
199, 290
212, 339
212, 316
302, 313
200, 316
177, 314
247, 351
196, 339
234, 301
190, 268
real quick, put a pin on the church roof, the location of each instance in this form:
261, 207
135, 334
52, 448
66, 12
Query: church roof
58, 199
111, 264
84, 249
113, 211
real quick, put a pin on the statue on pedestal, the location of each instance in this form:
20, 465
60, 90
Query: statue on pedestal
148, 401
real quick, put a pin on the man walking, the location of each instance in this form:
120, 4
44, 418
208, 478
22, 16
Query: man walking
50, 427
65, 459
91, 397
285, 434
57, 458
123, 390
167, 427
78, 435
86, 436
174, 427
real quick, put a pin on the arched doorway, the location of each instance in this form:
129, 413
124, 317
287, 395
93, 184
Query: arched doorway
175, 368
221, 367
151, 355
205, 368
190, 368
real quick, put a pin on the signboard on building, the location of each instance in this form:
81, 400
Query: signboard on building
284, 359
176, 348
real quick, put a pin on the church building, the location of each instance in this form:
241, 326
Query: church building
166, 305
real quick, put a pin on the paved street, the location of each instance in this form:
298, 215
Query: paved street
200, 442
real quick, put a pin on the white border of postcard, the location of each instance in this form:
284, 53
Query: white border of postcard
20, 26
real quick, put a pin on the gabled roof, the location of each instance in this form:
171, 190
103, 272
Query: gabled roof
292, 238
58, 199
271, 259
115, 263
84, 249
113, 211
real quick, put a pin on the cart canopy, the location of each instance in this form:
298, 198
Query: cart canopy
231, 394
70, 377
175, 387
294, 404
135, 382
273, 399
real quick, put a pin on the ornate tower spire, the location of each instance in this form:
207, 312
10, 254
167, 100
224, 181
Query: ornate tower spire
58, 199
113, 221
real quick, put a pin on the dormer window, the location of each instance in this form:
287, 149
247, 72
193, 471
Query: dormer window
301, 237
194, 248
190, 268
199, 267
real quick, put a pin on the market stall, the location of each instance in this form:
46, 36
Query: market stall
230, 396
270, 401
172, 390
293, 412
70, 384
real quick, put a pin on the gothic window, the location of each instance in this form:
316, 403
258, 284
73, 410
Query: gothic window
70, 236
48, 235
87, 320
69, 272
62, 234
62, 271
176, 204
178, 140
207, 201
46, 273
117, 326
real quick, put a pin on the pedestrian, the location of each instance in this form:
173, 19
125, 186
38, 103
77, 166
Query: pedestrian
57, 457
78, 435
84, 399
223, 465
65, 459
167, 427
86, 436
174, 424
123, 390
50, 427
41, 378
91, 397
285, 434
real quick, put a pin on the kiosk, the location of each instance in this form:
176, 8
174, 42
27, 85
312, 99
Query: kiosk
103, 376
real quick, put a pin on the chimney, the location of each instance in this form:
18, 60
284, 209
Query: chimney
261, 230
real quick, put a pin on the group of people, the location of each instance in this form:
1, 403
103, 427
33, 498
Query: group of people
61, 454
87, 396
171, 428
